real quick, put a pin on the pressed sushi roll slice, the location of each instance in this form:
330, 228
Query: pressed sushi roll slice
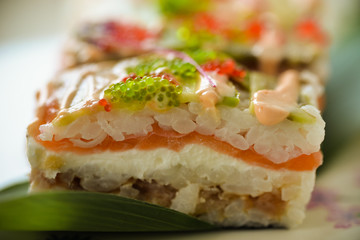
203, 136
108, 40
265, 35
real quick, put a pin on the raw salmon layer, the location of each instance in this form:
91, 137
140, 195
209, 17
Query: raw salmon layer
195, 180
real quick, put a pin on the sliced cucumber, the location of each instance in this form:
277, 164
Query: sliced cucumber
301, 116
189, 89
230, 101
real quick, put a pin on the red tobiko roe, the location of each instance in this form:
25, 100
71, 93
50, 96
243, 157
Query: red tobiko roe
254, 29
131, 76
103, 102
166, 76
107, 107
126, 32
241, 73
115, 33
309, 29
209, 66
207, 22
227, 67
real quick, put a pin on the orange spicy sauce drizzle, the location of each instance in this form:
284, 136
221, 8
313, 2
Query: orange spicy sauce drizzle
170, 139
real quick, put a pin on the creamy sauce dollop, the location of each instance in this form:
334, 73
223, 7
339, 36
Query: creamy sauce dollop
273, 106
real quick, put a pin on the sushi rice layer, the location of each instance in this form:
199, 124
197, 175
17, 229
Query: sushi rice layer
201, 155
196, 180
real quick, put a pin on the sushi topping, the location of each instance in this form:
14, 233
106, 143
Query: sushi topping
137, 91
230, 101
103, 102
301, 116
227, 67
273, 106
254, 29
107, 107
202, 56
176, 67
310, 30
111, 35
204, 21
190, 60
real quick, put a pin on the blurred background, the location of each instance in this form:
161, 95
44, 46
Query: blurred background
31, 37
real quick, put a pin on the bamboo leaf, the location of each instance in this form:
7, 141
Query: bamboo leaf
85, 211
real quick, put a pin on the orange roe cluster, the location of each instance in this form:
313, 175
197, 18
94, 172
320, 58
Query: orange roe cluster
227, 67
254, 29
204, 21
308, 29
110, 35
103, 102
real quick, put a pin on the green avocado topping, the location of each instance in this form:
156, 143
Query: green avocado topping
176, 67
202, 56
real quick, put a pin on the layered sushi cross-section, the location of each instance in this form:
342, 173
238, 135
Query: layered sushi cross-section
193, 131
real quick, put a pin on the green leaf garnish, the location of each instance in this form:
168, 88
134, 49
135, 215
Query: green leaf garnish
85, 211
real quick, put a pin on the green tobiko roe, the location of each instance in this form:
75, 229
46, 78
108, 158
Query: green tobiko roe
176, 67
137, 91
